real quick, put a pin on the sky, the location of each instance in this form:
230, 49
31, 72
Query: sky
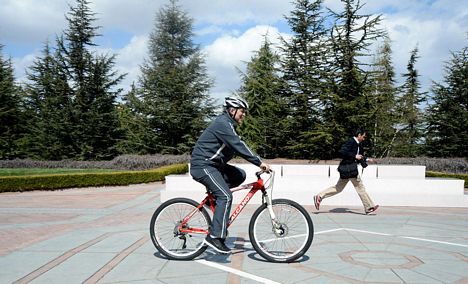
229, 32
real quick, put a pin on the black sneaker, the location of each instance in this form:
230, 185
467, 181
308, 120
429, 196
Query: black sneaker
216, 244
317, 200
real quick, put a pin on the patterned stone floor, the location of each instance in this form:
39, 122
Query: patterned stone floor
100, 235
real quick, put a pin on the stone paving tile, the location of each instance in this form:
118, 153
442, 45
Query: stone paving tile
100, 235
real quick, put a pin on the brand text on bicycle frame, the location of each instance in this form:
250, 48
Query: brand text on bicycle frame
241, 206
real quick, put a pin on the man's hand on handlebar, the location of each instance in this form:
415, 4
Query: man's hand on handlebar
265, 167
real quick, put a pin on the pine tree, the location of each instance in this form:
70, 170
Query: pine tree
94, 86
134, 125
262, 127
10, 112
305, 68
447, 132
380, 96
411, 121
351, 37
173, 88
72, 95
49, 110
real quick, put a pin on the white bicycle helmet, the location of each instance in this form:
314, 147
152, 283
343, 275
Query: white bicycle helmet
235, 102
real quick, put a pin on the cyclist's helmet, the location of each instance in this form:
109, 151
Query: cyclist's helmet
235, 102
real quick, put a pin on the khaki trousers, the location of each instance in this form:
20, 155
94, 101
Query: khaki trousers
340, 185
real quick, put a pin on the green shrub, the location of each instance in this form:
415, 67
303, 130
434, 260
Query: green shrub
59, 181
447, 175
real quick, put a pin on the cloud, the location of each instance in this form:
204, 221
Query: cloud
230, 31
435, 39
224, 57
136, 17
436, 27
225, 12
208, 30
228, 54
22, 63
28, 21
130, 58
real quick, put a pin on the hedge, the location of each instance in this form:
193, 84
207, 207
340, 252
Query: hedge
60, 181
448, 175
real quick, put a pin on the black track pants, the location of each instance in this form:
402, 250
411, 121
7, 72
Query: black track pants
218, 181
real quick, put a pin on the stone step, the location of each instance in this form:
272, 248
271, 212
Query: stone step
436, 186
348, 197
386, 185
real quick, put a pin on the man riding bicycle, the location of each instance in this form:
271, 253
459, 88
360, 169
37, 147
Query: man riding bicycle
208, 165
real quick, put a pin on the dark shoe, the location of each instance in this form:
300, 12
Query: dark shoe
216, 244
317, 200
372, 209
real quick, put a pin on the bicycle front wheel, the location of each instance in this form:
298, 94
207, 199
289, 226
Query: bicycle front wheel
165, 233
285, 239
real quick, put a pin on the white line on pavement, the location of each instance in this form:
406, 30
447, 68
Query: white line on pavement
405, 237
367, 232
433, 241
328, 231
249, 244
264, 280
284, 238
237, 272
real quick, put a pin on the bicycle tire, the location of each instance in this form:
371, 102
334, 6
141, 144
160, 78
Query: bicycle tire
165, 236
296, 226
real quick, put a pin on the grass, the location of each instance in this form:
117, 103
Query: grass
43, 171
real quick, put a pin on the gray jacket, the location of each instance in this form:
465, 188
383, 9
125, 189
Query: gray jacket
219, 143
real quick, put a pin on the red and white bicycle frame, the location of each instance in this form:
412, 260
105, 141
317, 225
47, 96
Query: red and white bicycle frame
253, 187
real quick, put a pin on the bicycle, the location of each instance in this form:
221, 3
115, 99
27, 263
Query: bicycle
280, 230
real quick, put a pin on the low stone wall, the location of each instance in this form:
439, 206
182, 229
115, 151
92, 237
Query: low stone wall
387, 185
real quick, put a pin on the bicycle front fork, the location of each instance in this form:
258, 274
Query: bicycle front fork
277, 227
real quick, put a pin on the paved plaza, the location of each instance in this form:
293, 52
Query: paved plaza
101, 235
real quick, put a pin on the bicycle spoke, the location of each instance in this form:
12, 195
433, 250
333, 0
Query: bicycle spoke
285, 238
288, 239
167, 237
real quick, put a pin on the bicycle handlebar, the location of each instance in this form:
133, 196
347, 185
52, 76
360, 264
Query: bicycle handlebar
257, 174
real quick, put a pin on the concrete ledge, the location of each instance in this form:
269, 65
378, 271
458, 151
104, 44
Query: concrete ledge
387, 185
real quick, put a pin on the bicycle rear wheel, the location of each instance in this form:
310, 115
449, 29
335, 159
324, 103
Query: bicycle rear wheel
290, 239
166, 236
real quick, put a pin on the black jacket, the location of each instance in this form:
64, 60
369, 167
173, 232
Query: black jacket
349, 150
219, 143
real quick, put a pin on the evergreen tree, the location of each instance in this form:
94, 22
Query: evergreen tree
134, 125
48, 108
262, 128
10, 112
173, 88
305, 70
351, 37
73, 92
410, 127
381, 97
447, 132
94, 86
